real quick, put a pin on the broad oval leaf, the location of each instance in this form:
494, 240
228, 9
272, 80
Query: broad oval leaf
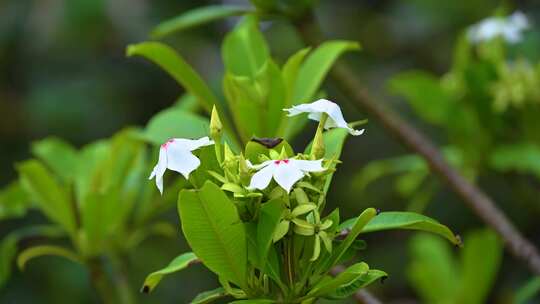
316, 66
174, 122
195, 17
41, 250
180, 262
214, 231
244, 49
405, 220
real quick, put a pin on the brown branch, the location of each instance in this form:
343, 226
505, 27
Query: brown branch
471, 195
362, 296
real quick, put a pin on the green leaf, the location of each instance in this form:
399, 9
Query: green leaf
37, 251
348, 289
425, 95
209, 296
316, 66
433, 272
364, 218
522, 158
173, 123
290, 72
180, 262
269, 218
255, 149
14, 201
480, 260
244, 50
214, 231
51, 197
182, 72
196, 17
58, 156
347, 277
405, 220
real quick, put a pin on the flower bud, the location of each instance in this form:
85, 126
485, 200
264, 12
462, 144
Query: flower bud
216, 127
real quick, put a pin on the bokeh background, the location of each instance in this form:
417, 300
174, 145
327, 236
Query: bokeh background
63, 72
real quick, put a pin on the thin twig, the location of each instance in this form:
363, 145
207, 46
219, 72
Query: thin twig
472, 196
362, 296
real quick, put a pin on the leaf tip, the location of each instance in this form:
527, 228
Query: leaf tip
145, 289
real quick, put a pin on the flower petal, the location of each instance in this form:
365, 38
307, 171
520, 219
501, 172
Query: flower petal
181, 160
258, 166
315, 110
308, 165
286, 175
159, 169
192, 144
261, 179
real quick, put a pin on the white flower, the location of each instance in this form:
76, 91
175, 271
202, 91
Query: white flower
176, 155
510, 28
317, 108
286, 172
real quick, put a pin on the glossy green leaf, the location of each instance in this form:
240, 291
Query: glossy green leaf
405, 220
60, 157
348, 276
357, 225
14, 201
209, 296
270, 215
348, 289
196, 17
41, 250
174, 123
180, 262
214, 231
316, 66
290, 72
49, 195
244, 50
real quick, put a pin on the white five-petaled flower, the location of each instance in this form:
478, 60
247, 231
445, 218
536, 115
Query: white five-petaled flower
317, 108
510, 28
176, 155
286, 172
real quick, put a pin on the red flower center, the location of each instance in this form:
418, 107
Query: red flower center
277, 162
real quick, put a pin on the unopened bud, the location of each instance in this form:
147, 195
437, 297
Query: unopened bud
318, 149
215, 125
